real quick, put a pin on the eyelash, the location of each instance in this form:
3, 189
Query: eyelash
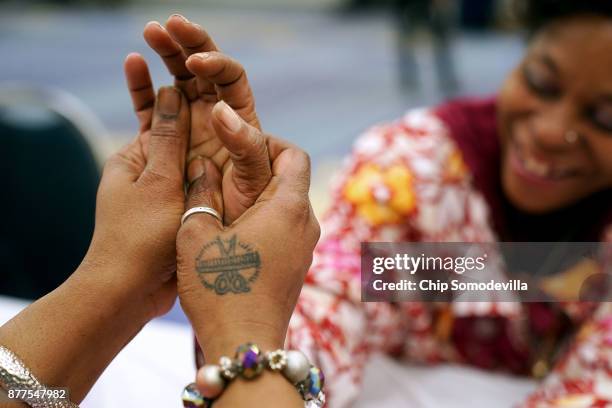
592, 116
551, 93
542, 91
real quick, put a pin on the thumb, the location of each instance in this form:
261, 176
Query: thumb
169, 135
248, 150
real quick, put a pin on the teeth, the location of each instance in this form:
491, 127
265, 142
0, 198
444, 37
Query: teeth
537, 167
543, 169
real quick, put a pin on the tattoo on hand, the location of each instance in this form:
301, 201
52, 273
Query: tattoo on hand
227, 266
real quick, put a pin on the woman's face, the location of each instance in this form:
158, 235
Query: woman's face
555, 117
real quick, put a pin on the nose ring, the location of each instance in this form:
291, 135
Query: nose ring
571, 136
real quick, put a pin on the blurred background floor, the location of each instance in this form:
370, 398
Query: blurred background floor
319, 77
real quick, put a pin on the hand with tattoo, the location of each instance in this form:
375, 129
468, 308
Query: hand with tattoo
212, 81
139, 205
237, 280
240, 283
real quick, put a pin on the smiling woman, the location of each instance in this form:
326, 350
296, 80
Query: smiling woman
555, 116
531, 164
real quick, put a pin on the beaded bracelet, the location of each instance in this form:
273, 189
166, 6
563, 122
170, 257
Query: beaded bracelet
249, 363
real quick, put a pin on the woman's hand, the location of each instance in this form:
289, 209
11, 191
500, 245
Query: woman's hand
140, 202
207, 77
69, 337
240, 283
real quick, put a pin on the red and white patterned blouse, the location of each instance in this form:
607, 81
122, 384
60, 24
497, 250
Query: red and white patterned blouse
408, 181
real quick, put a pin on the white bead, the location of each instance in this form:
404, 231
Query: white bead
209, 381
227, 368
297, 368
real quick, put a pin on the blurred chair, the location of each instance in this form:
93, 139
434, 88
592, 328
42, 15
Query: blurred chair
50, 167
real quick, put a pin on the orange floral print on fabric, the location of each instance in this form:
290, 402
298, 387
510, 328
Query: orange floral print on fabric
381, 195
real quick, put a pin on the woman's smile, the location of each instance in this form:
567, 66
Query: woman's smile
534, 168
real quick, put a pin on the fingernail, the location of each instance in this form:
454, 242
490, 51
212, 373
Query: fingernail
230, 119
156, 23
196, 169
180, 16
201, 55
132, 55
169, 101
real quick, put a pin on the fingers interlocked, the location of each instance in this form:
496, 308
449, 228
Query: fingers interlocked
198, 66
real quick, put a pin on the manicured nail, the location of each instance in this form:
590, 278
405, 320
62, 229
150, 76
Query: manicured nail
156, 23
181, 17
201, 55
196, 169
169, 101
132, 55
230, 119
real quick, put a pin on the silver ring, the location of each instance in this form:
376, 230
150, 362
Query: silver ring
571, 136
204, 210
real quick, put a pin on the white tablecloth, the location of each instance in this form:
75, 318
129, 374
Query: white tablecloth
152, 370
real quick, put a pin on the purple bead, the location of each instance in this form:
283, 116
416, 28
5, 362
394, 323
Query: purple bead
250, 360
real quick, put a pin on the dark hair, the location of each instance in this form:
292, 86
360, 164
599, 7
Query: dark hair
537, 14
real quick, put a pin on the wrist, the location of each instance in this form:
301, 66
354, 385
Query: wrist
144, 277
243, 392
86, 316
225, 339
106, 284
